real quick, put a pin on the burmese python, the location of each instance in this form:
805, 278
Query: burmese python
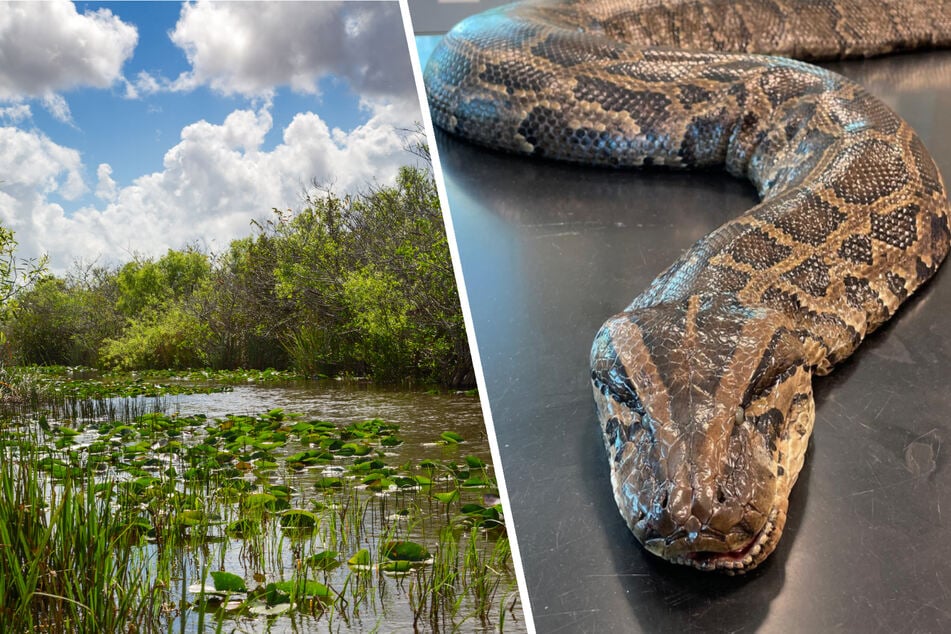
704, 382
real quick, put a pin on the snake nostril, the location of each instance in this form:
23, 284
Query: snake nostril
721, 495
663, 500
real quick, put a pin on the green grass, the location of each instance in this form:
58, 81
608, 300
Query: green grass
68, 562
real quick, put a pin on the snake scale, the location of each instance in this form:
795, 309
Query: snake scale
704, 382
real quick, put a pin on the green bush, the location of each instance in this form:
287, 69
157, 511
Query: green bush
173, 338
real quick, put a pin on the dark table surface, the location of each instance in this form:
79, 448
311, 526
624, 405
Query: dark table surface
549, 251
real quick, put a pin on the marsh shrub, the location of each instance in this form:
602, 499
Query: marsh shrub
173, 338
356, 284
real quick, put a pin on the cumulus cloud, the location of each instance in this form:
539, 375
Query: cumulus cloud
30, 161
213, 182
106, 188
250, 48
34, 168
49, 48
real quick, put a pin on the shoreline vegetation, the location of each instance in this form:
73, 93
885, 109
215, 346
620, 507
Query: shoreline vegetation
358, 285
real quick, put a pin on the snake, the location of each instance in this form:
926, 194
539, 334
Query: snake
703, 383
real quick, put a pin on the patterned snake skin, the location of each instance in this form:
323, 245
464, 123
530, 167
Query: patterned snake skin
704, 383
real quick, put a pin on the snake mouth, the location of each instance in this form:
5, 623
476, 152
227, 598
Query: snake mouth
739, 560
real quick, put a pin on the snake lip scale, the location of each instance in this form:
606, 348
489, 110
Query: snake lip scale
703, 383
733, 561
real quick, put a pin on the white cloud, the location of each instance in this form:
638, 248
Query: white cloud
57, 106
16, 113
33, 169
143, 85
214, 181
106, 188
250, 48
47, 48
30, 161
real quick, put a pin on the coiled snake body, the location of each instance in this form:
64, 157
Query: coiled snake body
704, 382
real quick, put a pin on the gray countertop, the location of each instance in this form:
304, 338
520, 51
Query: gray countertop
549, 251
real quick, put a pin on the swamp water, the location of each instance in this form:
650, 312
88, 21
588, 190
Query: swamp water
286, 507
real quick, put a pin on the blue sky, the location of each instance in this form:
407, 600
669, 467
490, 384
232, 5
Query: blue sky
130, 128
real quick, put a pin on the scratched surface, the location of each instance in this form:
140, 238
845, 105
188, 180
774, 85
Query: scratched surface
548, 252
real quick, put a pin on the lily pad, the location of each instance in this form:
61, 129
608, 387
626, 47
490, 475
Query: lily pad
328, 483
405, 483
396, 566
326, 560
259, 500
273, 596
263, 609
475, 462
228, 582
298, 518
243, 528
378, 484
447, 497
405, 551
354, 449
360, 560
303, 589
198, 588
451, 437
190, 517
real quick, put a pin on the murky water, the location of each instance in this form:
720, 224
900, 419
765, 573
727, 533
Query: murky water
421, 416
372, 601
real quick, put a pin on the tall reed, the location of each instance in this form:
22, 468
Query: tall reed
68, 563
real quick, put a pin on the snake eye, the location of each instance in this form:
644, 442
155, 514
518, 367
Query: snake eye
782, 358
614, 384
767, 380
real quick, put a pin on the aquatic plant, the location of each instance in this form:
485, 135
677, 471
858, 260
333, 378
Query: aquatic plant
68, 561
317, 520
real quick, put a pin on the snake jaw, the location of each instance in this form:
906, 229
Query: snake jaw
741, 560
715, 552
732, 562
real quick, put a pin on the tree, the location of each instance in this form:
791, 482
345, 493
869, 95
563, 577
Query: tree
146, 284
371, 278
15, 275
63, 320
246, 316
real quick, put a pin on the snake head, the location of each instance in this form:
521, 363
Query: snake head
706, 408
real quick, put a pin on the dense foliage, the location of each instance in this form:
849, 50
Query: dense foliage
15, 276
356, 284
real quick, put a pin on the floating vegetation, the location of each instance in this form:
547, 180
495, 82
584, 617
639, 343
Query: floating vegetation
189, 521
81, 383
57, 383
